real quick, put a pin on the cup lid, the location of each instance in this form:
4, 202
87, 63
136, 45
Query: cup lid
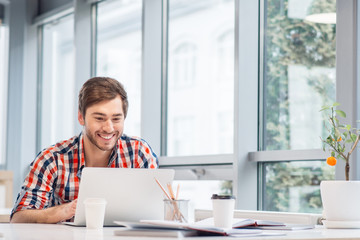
216, 196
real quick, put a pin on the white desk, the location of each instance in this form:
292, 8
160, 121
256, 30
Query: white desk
58, 231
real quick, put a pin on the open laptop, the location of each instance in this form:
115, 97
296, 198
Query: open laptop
131, 194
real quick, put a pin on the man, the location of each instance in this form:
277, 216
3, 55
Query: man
50, 190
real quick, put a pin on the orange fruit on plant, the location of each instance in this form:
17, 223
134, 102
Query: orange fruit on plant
331, 161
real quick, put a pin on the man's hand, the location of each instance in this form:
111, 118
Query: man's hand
67, 210
50, 215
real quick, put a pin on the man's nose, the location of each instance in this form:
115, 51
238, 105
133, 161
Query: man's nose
108, 126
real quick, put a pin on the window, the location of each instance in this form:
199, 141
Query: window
200, 59
3, 90
294, 186
118, 52
298, 79
58, 113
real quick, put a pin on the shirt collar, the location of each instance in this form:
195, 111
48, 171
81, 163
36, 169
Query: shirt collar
81, 155
114, 154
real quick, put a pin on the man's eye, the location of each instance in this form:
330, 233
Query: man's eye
99, 119
116, 119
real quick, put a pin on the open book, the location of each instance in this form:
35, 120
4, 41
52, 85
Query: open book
175, 229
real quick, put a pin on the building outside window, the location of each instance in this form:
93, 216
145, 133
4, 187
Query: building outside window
197, 66
298, 79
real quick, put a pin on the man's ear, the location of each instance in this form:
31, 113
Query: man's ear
81, 118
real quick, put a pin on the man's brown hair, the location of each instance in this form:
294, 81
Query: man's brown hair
98, 89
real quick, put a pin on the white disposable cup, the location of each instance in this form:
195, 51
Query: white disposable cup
95, 212
223, 212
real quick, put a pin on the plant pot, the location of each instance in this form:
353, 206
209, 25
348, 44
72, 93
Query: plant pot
341, 203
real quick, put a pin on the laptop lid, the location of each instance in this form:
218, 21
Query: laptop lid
132, 194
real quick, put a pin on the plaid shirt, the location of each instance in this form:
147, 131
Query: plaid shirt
56, 171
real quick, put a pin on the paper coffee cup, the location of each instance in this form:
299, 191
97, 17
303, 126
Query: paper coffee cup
223, 210
95, 212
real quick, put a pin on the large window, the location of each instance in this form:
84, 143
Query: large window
3, 90
119, 52
200, 92
200, 119
298, 78
58, 111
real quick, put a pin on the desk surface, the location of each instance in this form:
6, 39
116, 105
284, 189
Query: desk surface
58, 231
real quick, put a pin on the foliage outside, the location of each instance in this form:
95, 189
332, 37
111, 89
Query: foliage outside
288, 42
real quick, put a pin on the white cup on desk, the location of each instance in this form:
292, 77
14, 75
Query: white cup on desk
95, 212
223, 210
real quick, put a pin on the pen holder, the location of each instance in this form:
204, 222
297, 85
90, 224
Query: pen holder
176, 210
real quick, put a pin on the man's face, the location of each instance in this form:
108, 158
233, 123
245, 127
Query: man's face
103, 123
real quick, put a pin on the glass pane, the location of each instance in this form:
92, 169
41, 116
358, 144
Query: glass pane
299, 73
200, 77
3, 90
58, 111
199, 192
294, 186
119, 52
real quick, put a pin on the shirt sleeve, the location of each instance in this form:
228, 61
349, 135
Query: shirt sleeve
145, 157
38, 185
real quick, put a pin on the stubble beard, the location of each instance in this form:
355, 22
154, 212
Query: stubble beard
94, 142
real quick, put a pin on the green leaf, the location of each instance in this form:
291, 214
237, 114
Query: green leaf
332, 153
353, 137
341, 113
348, 127
335, 104
324, 108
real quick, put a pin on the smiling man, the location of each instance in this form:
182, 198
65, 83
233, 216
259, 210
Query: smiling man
50, 190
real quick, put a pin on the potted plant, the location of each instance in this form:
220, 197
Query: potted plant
341, 137
340, 199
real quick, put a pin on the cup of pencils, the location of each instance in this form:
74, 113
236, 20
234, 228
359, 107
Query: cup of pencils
174, 209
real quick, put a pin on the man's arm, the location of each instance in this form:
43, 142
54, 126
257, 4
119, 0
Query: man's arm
50, 215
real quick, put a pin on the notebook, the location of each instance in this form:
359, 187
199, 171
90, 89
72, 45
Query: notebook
131, 194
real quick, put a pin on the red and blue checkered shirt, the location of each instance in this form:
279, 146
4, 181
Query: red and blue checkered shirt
56, 171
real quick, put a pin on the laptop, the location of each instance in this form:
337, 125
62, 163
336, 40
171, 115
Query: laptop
132, 194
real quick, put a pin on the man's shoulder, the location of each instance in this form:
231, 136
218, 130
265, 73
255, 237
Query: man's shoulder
126, 138
63, 147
